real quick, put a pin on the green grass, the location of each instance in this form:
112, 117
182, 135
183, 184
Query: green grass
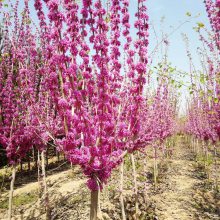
20, 200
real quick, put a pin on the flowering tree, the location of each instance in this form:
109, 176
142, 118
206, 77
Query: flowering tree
97, 94
27, 115
204, 111
213, 10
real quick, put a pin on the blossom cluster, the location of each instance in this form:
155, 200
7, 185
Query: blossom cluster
204, 111
213, 10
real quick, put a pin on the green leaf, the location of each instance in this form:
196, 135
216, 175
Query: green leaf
210, 98
202, 79
188, 14
210, 91
201, 93
216, 100
200, 25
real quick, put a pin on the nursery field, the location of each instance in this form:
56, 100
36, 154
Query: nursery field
184, 190
109, 109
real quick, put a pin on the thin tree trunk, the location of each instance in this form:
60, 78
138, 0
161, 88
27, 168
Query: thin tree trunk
193, 144
58, 156
204, 154
155, 167
145, 172
33, 154
135, 186
121, 190
39, 174
21, 166
94, 205
29, 163
47, 160
207, 161
197, 149
11, 193
99, 213
216, 169
46, 199
35, 157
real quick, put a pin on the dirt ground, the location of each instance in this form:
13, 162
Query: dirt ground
183, 192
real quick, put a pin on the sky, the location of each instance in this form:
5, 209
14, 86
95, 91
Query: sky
174, 13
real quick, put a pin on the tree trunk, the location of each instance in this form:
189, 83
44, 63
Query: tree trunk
29, 163
94, 205
39, 175
35, 157
204, 154
11, 193
47, 160
21, 166
121, 190
216, 169
193, 145
46, 199
145, 172
197, 149
155, 167
58, 156
135, 186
